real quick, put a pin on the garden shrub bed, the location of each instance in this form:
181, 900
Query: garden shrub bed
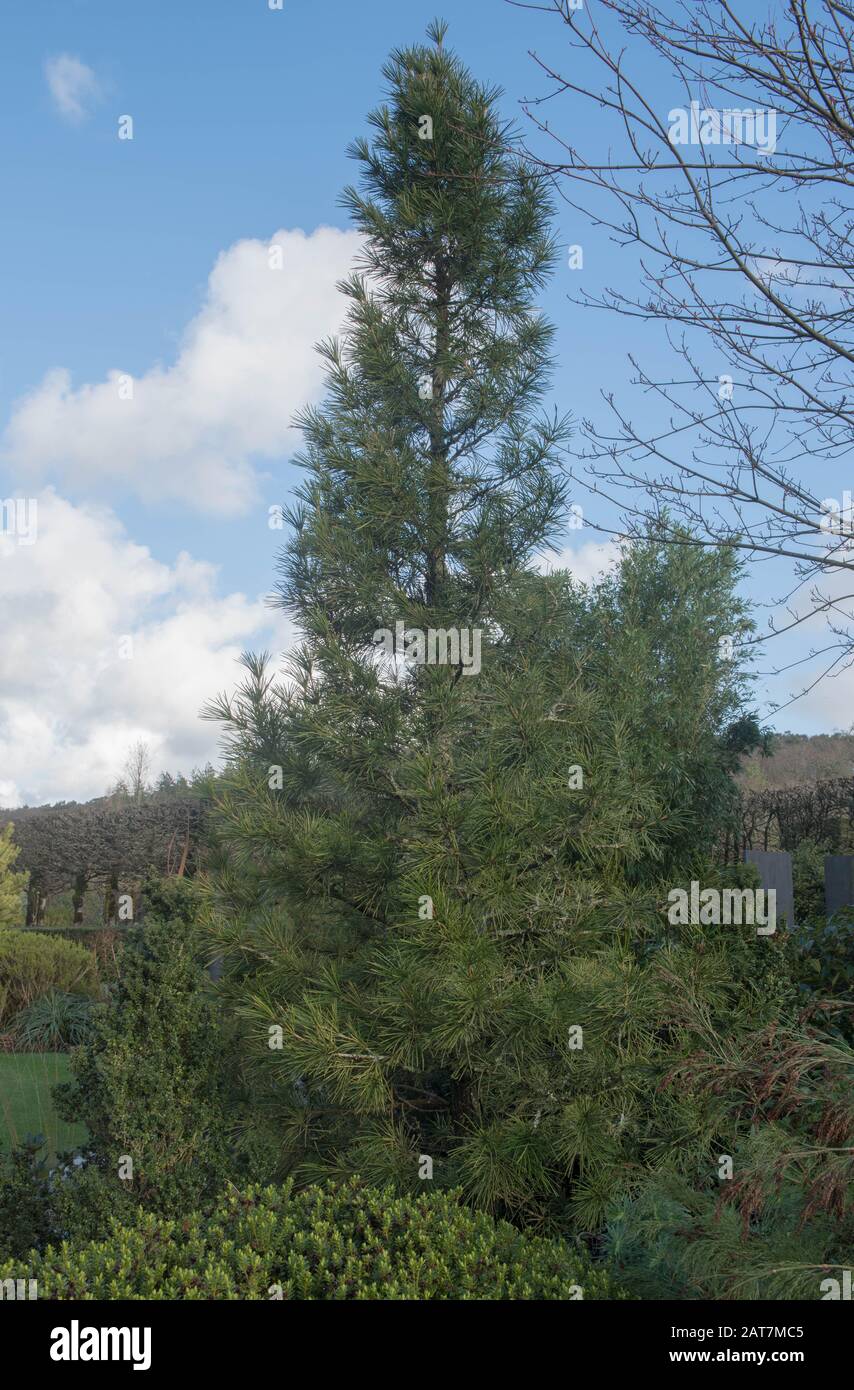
31, 964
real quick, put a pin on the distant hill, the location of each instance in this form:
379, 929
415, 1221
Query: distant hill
799, 760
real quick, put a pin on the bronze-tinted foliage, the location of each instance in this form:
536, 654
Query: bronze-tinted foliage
793, 1086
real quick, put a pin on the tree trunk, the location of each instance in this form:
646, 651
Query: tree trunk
438, 476
111, 900
80, 885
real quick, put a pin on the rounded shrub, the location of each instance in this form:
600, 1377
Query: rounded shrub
338, 1241
32, 964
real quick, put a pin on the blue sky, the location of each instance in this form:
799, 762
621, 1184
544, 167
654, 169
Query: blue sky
241, 119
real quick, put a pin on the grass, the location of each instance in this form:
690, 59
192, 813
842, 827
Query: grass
26, 1106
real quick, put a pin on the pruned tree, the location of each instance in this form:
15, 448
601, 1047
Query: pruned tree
105, 843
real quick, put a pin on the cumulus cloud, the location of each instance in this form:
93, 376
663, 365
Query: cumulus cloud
585, 562
102, 645
193, 431
72, 85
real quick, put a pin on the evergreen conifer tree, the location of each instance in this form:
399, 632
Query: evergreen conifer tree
440, 892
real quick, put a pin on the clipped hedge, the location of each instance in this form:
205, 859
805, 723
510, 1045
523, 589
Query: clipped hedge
31, 965
339, 1241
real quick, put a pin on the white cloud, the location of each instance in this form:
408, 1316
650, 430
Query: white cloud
73, 86
586, 562
70, 704
193, 430
772, 270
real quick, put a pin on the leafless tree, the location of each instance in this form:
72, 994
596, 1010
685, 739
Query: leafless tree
739, 211
136, 773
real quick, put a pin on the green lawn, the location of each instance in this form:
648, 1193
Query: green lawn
25, 1101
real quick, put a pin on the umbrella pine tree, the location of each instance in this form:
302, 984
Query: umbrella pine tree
449, 828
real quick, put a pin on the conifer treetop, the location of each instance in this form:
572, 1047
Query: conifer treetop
431, 474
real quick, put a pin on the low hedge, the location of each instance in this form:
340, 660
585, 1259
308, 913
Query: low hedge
339, 1241
31, 965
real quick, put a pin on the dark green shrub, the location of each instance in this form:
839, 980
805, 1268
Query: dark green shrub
341, 1241
55, 1022
149, 1083
84, 1201
25, 1208
171, 899
808, 880
827, 946
31, 964
826, 967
